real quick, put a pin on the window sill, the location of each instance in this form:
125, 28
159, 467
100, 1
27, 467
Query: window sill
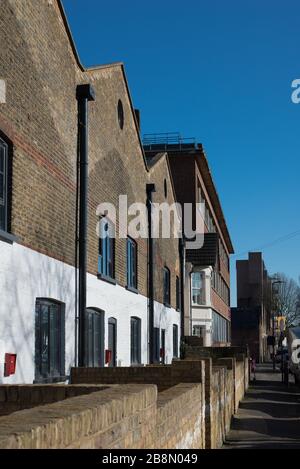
132, 289
107, 279
7, 237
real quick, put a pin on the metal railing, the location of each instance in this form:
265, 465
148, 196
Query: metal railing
167, 141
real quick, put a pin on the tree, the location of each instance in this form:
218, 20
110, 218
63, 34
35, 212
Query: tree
286, 299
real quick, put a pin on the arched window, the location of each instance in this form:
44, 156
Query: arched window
167, 286
131, 263
135, 340
49, 340
175, 341
94, 337
5, 184
112, 341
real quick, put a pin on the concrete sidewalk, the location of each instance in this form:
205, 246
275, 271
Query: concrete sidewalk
268, 416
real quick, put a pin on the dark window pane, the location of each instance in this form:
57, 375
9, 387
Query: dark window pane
2, 197
49, 342
106, 249
156, 339
175, 341
94, 333
3, 185
131, 263
2, 218
135, 336
166, 286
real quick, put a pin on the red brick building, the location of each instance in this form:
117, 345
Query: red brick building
207, 270
251, 320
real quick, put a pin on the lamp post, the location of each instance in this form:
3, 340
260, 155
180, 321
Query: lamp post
274, 282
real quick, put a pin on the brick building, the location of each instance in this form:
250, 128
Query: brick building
206, 273
38, 210
251, 320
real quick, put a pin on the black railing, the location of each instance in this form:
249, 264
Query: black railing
167, 141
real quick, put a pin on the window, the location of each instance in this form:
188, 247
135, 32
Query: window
135, 343
220, 328
220, 286
198, 296
199, 331
49, 341
163, 346
3, 186
106, 259
120, 114
178, 294
156, 345
165, 188
94, 338
167, 288
175, 341
131, 263
112, 341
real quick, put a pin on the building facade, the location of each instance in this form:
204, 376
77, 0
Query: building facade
206, 270
39, 210
251, 320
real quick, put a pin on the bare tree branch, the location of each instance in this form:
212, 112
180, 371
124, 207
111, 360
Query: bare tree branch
286, 299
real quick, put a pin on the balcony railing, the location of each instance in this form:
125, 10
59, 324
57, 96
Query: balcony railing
168, 141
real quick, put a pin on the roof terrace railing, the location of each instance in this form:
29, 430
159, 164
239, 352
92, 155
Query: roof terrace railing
168, 141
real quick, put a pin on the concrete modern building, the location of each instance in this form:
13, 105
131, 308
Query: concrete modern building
132, 313
206, 276
251, 320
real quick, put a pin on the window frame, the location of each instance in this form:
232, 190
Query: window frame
175, 341
178, 294
201, 289
167, 287
50, 376
132, 265
106, 252
135, 348
4, 201
93, 318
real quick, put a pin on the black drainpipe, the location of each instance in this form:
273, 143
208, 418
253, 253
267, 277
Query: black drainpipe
150, 188
84, 93
182, 282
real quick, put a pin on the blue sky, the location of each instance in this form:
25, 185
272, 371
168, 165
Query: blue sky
221, 72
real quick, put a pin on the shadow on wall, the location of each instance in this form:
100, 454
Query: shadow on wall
31, 276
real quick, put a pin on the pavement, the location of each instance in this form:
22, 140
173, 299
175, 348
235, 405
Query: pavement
268, 416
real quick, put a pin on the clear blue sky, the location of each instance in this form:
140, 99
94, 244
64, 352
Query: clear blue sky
220, 71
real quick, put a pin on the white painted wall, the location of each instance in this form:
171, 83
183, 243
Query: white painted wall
26, 275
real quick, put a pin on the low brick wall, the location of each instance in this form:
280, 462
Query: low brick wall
214, 352
125, 416
240, 386
122, 408
180, 418
164, 376
18, 397
119, 417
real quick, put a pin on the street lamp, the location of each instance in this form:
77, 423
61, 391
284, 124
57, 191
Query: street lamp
274, 282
